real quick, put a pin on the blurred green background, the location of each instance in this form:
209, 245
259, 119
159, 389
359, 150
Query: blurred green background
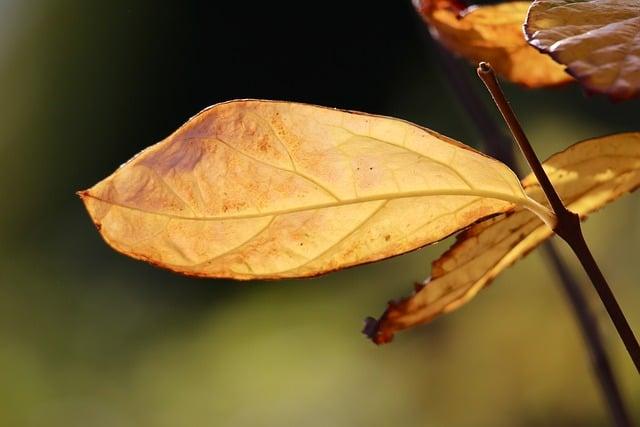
91, 338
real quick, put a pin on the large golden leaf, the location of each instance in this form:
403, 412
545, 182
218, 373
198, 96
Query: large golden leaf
492, 33
263, 189
587, 176
598, 41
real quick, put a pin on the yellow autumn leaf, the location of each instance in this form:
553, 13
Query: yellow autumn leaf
587, 176
492, 33
598, 41
262, 189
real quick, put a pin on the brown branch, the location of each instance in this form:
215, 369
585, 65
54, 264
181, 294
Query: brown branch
591, 333
568, 225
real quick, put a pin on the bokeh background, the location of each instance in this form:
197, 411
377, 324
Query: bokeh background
91, 338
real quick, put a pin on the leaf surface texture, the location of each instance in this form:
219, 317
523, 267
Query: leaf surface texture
598, 41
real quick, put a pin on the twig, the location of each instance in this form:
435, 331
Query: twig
568, 225
497, 144
591, 333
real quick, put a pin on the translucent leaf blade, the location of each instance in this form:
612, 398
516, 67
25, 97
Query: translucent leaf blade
263, 189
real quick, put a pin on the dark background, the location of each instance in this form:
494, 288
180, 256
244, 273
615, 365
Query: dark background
92, 338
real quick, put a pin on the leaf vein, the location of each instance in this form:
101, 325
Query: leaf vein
410, 194
339, 241
237, 247
262, 162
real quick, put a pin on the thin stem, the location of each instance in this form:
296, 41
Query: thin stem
497, 145
488, 77
575, 239
591, 334
568, 225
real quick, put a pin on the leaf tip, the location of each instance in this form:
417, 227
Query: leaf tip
82, 194
370, 327
372, 331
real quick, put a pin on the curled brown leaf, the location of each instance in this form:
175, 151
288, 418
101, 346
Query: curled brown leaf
587, 176
492, 33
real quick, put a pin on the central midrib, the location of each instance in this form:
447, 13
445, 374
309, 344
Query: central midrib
522, 200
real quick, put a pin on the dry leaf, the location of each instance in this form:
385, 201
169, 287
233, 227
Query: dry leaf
492, 33
587, 176
598, 41
263, 189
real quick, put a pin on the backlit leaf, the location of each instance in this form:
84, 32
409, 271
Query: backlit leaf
598, 41
587, 176
263, 189
492, 33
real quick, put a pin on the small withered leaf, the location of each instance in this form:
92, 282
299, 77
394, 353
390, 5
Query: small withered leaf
598, 41
587, 176
492, 33
266, 190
